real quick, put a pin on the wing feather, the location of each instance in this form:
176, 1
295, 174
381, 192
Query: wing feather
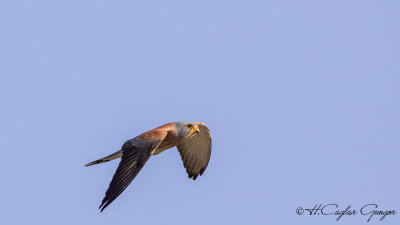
196, 152
135, 153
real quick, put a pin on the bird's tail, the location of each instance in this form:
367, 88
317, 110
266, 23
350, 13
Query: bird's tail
115, 155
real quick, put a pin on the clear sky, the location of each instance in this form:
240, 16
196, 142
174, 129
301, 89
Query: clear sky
301, 97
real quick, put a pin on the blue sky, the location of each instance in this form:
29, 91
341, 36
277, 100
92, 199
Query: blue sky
301, 97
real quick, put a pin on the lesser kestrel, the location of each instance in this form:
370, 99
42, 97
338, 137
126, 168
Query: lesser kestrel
193, 141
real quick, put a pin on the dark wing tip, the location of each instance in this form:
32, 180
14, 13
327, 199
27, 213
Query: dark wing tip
193, 176
106, 201
202, 171
102, 207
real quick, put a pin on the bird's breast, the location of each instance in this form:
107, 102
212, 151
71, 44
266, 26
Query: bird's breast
163, 146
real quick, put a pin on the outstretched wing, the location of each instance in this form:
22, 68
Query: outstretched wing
135, 153
196, 152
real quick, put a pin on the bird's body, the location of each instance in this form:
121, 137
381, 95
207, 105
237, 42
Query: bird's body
171, 139
193, 141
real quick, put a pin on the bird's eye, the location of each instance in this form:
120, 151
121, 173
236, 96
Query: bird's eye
190, 126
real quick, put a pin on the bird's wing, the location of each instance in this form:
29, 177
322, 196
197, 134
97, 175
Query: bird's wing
196, 152
135, 153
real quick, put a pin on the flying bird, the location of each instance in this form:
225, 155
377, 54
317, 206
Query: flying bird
193, 141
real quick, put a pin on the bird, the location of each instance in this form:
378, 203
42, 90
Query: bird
192, 139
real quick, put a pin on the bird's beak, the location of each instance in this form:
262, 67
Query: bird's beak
196, 129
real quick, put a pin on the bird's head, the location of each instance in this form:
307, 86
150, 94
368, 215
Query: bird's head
186, 129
